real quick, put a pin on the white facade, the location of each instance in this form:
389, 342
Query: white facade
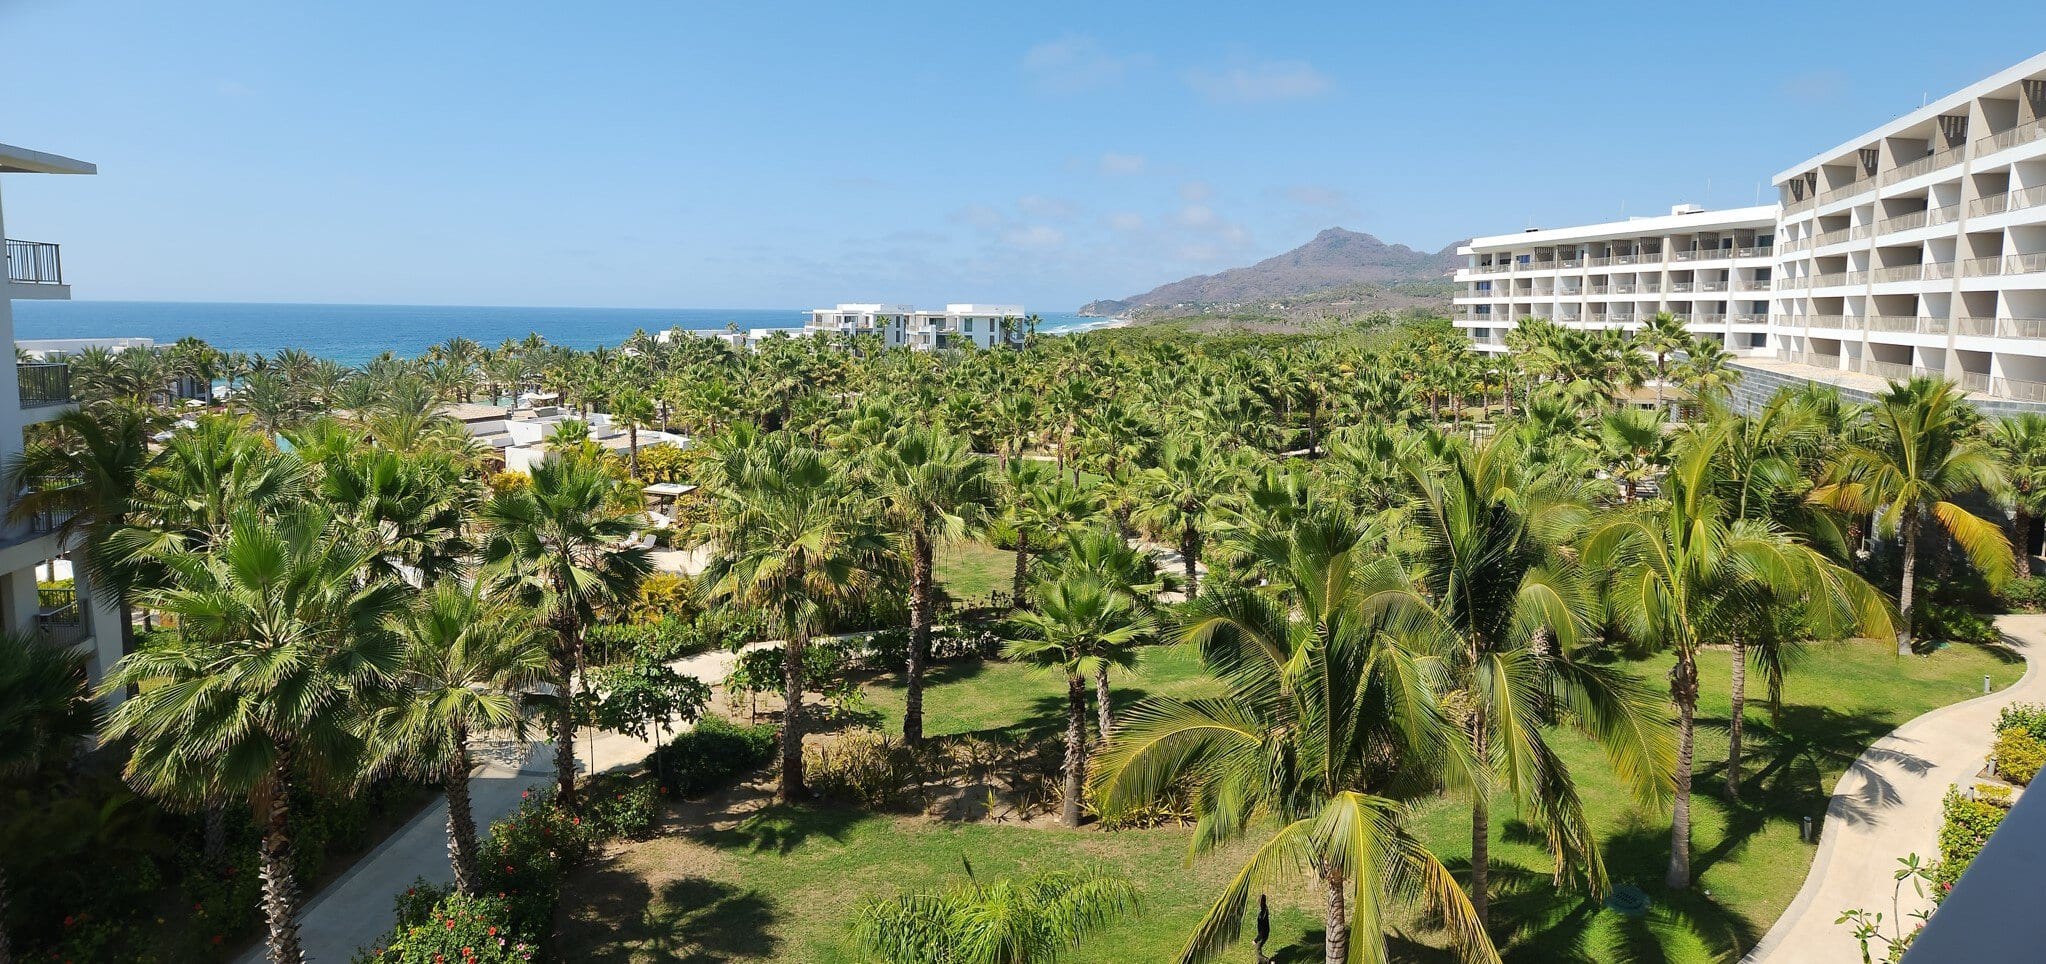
1920, 246
954, 326
41, 391
1710, 268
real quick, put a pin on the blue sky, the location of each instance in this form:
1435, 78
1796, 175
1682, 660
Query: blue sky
783, 155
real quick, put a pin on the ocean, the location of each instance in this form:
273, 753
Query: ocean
353, 334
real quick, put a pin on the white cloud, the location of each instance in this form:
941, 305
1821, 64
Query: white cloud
1044, 207
1196, 216
1122, 164
979, 216
1260, 82
1322, 200
1195, 191
1126, 221
1075, 63
1036, 236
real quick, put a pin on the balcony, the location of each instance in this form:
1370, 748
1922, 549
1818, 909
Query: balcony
35, 269
44, 384
1755, 251
2024, 263
1982, 267
1857, 186
1901, 272
1903, 222
58, 616
1924, 165
2021, 134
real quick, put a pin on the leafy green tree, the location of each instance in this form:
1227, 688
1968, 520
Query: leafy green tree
794, 539
1682, 570
1918, 455
1184, 496
268, 685
932, 490
2020, 443
1350, 710
1039, 507
1030, 920
1077, 626
634, 408
557, 546
643, 698
466, 659
45, 710
1662, 336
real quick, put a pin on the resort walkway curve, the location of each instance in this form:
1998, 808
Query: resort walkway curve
1887, 805
355, 910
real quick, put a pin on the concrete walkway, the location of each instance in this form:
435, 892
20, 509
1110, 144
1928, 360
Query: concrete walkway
1887, 805
355, 910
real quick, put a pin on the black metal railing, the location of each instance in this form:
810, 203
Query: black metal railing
44, 383
34, 263
58, 616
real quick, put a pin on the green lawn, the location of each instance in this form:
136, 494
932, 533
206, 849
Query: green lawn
782, 884
968, 571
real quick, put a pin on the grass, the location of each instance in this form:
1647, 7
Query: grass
968, 571
783, 884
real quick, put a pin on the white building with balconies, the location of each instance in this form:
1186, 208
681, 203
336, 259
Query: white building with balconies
1710, 268
954, 326
31, 549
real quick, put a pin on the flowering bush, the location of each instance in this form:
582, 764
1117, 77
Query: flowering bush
621, 806
527, 856
456, 930
2018, 755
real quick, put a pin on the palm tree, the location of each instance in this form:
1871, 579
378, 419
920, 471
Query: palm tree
1034, 920
1491, 588
795, 540
1918, 455
1182, 497
1707, 369
933, 489
1078, 626
635, 409
2020, 443
1351, 712
1040, 506
83, 470
267, 685
1635, 448
1685, 569
466, 659
1123, 570
45, 709
558, 547
1662, 336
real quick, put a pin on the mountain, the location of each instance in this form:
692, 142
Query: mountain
1348, 269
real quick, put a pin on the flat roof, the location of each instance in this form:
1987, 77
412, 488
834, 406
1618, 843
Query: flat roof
21, 160
2003, 78
1759, 216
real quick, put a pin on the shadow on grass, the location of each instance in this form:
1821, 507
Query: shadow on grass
691, 921
782, 828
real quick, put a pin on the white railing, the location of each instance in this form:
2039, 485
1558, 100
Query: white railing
1993, 204
1930, 162
1711, 286
2021, 134
1901, 272
1981, 267
1894, 371
1710, 318
1902, 222
1974, 381
2017, 388
1799, 207
1756, 284
2021, 327
1679, 287
1755, 251
1938, 270
1975, 327
1829, 279
1892, 323
1827, 321
2024, 263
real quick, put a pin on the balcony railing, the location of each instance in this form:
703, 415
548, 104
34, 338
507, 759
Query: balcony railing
2017, 388
2021, 134
1799, 207
1981, 267
1756, 284
1708, 318
2024, 263
1829, 279
1903, 222
1755, 251
1938, 270
58, 616
44, 383
1857, 186
1894, 371
1892, 323
1974, 381
1900, 272
1930, 162
1711, 286
1812, 358
1984, 206
34, 263
1570, 263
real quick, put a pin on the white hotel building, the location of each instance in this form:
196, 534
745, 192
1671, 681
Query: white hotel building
1915, 248
955, 326
72, 615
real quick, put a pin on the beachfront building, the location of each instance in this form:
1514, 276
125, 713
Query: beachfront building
1710, 268
184, 387
40, 591
1919, 247
519, 436
954, 326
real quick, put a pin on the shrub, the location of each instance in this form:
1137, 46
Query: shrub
1956, 624
866, 768
528, 855
1965, 829
708, 757
621, 806
2018, 755
2026, 595
2030, 717
456, 930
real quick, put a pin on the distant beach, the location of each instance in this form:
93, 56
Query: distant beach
353, 334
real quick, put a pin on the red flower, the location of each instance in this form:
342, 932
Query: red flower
216, 938
493, 932
69, 920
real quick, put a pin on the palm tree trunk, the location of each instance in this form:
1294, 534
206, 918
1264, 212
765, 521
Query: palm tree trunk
2021, 540
1189, 557
919, 639
1335, 940
1481, 830
1076, 747
1683, 690
280, 889
1103, 709
1017, 582
1910, 576
564, 722
792, 787
632, 446
1735, 722
461, 819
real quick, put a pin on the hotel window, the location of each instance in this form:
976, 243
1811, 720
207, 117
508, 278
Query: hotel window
969, 326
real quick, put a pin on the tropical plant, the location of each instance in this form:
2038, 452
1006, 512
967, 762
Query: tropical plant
267, 686
45, 709
1077, 626
2020, 443
1028, 920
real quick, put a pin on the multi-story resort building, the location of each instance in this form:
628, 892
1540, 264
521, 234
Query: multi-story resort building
1710, 268
955, 326
1918, 247
31, 553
